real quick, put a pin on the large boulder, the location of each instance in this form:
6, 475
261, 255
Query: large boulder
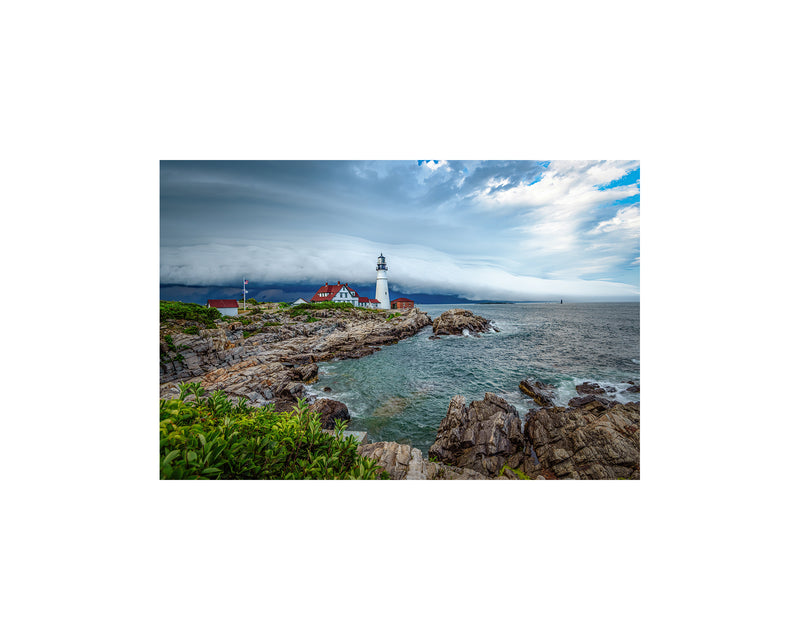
585, 444
592, 388
596, 441
591, 403
542, 394
329, 411
482, 437
456, 321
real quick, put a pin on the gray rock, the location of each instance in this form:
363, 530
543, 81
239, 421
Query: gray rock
542, 394
592, 388
482, 437
591, 402
580, 444
455, 321
329, 411
403, 462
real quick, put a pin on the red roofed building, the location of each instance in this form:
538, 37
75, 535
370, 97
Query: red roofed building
369, 303
336, 293
343, 293
402, 303
225, 307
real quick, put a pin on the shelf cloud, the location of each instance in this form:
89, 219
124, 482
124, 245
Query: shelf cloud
482, 230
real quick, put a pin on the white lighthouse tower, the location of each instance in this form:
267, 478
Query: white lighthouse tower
382, 285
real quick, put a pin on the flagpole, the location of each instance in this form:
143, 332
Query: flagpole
244, 293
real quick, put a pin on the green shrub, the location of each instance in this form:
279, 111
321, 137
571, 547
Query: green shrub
211, 438
170, 310
192, 331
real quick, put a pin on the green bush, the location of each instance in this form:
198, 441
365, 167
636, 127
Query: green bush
192, 331
171, 310
211, 438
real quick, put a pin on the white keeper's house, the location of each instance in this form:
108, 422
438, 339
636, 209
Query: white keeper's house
342, 293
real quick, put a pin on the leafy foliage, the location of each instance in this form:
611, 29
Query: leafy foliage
209, 437
171, 310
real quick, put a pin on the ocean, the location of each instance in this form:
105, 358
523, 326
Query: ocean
401, 392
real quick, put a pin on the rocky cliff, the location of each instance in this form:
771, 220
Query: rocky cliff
270, 357
591, 442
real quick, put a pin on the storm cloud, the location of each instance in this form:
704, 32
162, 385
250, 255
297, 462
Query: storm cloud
516, 230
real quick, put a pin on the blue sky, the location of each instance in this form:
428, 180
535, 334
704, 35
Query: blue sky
506, 230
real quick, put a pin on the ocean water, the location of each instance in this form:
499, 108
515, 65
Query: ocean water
401, 392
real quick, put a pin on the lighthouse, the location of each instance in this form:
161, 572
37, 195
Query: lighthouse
382, 284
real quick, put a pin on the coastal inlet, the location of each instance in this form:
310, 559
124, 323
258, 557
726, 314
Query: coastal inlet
402, 392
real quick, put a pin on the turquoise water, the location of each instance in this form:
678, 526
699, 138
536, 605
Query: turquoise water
401, 392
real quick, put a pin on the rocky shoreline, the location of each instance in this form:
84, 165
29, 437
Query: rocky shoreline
488, 440
266, 357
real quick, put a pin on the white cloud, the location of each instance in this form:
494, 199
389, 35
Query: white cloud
413, 268
626, 220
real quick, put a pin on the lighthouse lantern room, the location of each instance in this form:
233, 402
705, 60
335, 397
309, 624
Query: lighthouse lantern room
382, 284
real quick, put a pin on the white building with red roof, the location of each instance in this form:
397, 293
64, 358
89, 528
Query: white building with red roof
370, 303
225, 307
343, 293
335, 293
